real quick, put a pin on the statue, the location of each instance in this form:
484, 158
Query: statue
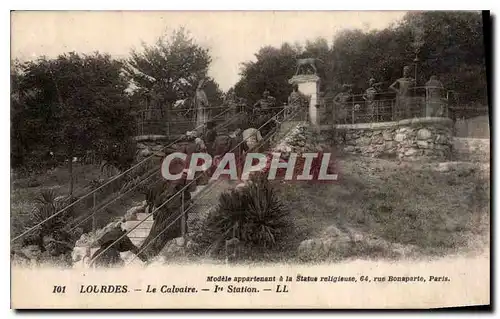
201, 102
433, 97
263, 109
295, 101
403, 88
301, 63
340, 102
369, 97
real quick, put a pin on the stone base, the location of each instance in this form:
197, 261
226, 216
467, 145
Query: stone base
309, 86
304, 78
412, 139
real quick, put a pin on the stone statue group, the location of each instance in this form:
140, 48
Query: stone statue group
375, 104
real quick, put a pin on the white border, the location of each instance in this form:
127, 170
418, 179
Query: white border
193, 5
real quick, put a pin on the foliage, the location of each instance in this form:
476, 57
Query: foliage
170, 70
47, 204
254, 214
449, 45
69, 106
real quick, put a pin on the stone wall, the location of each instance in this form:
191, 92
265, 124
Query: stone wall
412, 139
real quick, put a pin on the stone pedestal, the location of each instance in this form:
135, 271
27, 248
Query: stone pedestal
309, 86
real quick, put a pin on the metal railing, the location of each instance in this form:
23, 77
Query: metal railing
386, 107
173, 122
271, 114
109, 190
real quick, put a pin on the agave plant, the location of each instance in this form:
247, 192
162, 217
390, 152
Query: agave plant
42, 216
266, 219
254, 214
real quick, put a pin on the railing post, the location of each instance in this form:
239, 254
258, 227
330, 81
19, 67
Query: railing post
183, 220
94, 221
352, 112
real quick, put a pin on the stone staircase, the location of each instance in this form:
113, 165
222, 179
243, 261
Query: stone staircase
140, 233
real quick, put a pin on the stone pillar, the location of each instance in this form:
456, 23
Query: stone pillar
309, 86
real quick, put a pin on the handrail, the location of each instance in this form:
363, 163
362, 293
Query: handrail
171, 198
92, 213
98, 188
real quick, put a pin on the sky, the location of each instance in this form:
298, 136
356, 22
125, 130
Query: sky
233, 37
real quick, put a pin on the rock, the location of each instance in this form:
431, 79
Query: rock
349, 141
145, 152
389, 145
463, 167
33, 252
332, 242
387, 136
141, 146
131, 214
157, 148
411, 152
424, 134
400, 137
310, 247
175, 247
349, 149
378, 139
363, 141
369, 149
441, 139
160, 154
422, 144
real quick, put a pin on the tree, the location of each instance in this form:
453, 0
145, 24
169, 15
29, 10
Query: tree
272, 70
71, 105
449, 45
170, 70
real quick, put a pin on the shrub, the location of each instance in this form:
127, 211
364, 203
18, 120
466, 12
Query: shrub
47, 204
254, 215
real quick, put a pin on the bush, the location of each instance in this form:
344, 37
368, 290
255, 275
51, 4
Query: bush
253, 214
52, 230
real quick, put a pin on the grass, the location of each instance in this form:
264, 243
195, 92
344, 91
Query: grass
25, 190
436, 212
406, 204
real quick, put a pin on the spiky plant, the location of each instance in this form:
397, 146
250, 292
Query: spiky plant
253, 214
47, 205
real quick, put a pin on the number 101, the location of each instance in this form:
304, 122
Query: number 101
59, 289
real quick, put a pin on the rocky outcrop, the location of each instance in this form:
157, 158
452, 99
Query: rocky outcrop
300, 139
336, 244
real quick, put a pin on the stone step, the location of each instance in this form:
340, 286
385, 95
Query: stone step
139, 233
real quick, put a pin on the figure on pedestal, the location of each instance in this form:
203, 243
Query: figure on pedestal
340, 102
263, 109
296, 102
303, 64
434, 97
201, 103
265, 104
404, 89
370, 102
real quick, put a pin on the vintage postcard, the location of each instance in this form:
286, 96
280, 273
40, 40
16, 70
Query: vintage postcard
249, 159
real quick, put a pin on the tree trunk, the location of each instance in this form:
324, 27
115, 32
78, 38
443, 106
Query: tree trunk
71, 179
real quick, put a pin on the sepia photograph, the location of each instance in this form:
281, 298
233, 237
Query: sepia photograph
250, 155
